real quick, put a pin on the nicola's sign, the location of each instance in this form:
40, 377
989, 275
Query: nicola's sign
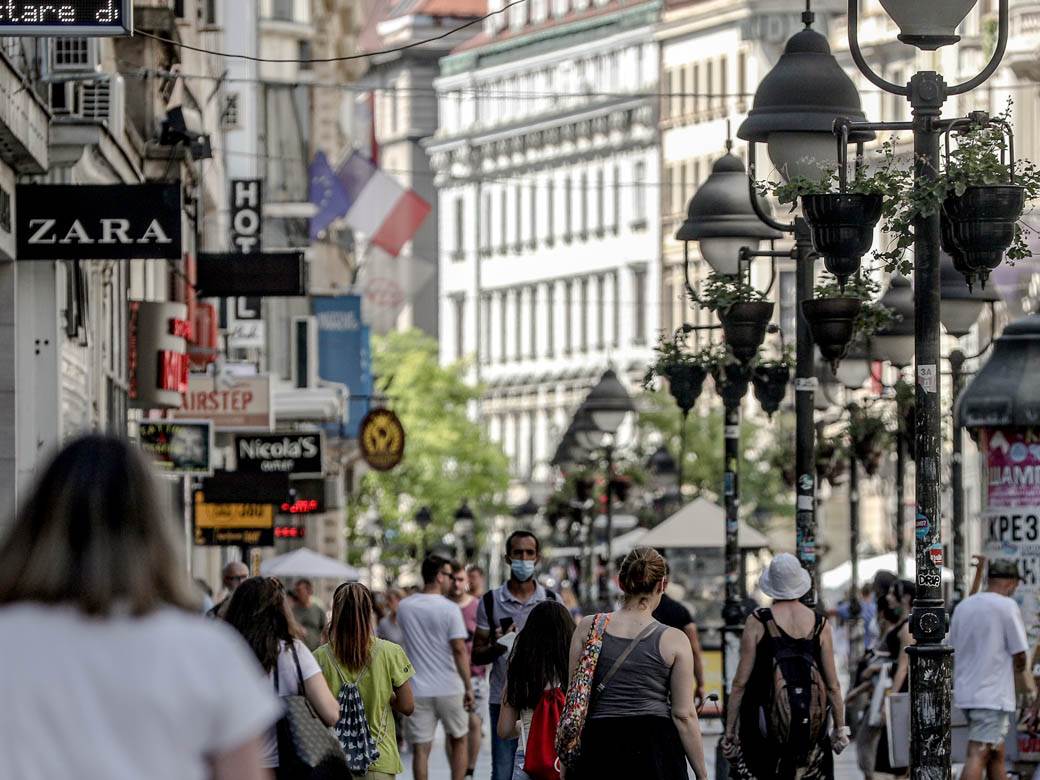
99, 221
66, 17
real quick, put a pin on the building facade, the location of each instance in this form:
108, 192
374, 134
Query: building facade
546, 159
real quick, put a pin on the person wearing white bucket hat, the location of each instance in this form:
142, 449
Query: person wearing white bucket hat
786, 650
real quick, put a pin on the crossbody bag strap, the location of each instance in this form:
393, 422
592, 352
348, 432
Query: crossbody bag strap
296, 659
649, 629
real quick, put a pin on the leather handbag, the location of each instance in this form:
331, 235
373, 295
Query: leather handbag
307, 748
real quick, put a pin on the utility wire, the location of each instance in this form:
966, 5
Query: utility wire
322, 60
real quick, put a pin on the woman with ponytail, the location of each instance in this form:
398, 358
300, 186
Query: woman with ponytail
641, 721
380, 669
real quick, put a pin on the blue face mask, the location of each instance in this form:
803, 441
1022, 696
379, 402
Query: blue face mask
522, 570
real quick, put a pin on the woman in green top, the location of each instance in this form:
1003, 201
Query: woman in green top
352, 649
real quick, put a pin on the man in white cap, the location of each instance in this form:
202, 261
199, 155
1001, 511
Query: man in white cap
800, 642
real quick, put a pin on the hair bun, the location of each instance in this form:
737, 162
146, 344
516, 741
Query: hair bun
642, 571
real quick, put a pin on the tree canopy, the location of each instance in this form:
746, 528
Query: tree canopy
448, 456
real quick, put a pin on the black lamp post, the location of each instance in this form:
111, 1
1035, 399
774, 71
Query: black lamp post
607, 407
927, 26
794, 112
466, 531
423, 518
895, 345
961, 307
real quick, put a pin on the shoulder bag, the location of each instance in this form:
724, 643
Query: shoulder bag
307, 748
580, 691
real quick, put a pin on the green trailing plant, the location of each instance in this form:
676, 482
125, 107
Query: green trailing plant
720, 292
831, 457
671, 356
868, 436
872, 316
785, 359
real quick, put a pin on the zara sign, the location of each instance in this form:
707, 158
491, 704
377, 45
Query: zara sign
99, 221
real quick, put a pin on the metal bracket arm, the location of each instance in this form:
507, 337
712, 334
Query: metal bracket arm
766, 218
1004, 22
860, 60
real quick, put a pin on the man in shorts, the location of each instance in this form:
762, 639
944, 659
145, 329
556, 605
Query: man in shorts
435, 641
989, 644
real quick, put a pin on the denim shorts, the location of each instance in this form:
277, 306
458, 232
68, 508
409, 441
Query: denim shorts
988, 727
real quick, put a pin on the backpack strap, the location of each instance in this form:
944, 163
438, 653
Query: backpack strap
296, 660
821, 621
489, 609
765, 617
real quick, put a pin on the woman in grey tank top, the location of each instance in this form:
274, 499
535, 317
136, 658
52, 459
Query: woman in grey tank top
642, 723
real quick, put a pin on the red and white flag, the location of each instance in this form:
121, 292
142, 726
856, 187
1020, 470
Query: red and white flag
380, 207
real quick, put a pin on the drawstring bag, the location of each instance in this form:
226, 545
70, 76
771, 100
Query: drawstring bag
352, 728
540, 753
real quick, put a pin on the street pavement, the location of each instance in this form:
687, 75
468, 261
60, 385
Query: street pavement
845, 764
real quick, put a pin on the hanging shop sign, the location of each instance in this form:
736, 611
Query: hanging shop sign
235, 487
299, 454
271, 274
382, 440
232, 524
245, 317
233, 403
99, 221
182, 447
63, 18
157, 354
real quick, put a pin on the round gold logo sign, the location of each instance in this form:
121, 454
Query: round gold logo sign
382, 439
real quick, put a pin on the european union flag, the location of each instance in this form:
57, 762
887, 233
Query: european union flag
328, 195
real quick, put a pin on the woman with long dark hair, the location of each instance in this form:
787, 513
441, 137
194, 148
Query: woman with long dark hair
380, 669
108, 669
260, 611
537, 664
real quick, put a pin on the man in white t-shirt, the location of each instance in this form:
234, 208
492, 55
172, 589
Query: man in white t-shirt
989, 648
435, 641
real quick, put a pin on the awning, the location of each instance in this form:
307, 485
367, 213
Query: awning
307, 563
700, 524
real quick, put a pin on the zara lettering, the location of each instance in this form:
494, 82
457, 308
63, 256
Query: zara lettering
109, 231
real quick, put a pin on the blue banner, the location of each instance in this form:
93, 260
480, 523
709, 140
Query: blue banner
344, 355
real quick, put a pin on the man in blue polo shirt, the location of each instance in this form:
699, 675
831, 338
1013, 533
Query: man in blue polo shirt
501, 611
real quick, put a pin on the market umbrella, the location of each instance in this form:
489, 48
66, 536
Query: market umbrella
307, 563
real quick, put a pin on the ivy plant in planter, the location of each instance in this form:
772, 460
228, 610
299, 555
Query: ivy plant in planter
830, 459
840, 317
770, 378
868, 437
842, 221
731, 377
743, 311
684, 371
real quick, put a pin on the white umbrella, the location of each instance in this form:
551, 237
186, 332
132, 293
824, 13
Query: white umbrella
307, 563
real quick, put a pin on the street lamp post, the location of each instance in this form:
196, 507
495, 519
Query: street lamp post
927, 26
423, 518
895, 344
961, 308
794, 112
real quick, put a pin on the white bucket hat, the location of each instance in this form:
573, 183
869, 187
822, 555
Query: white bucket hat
785, 579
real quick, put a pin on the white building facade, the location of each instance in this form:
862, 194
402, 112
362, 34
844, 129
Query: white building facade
547, 171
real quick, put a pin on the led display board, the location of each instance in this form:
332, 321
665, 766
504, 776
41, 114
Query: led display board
66, 17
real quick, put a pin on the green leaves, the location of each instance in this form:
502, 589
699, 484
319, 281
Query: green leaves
872, 316
448, 456
720, 291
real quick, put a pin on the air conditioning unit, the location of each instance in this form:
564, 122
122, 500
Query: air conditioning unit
100, 100
74, 55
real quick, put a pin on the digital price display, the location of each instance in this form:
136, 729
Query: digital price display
66, 17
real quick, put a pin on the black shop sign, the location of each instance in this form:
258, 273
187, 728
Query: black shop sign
63, 18
99, 221
299, 454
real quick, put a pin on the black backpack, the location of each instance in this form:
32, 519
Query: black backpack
489, 604
797, 708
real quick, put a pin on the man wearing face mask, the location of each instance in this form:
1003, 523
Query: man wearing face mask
502, 612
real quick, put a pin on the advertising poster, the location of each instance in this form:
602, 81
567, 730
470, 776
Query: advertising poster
1011, 526
181, 447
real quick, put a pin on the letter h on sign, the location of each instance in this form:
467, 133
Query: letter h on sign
247, 219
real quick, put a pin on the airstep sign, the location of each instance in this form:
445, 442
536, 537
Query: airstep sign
233, 403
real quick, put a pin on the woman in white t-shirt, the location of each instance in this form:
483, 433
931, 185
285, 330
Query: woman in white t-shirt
107, 669
260, 611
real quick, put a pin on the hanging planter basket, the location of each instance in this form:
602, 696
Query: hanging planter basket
830, 465
969, 272
770, 385
685, 383
744, 325
981, 223
868, 455
833, 323
842, 227
731, 382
